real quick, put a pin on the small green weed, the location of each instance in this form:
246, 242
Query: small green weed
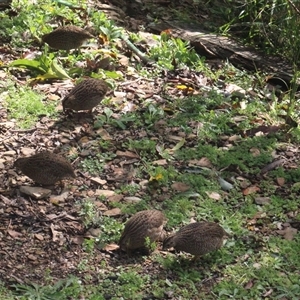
89, 213
62, 290
26, 105
170, 51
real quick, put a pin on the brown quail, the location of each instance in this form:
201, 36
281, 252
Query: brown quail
197, 238
144, 224
85, 95
45, 167
66, 37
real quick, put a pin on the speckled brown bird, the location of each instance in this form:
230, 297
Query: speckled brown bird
197, 238
146, 223
45, 167
85, 95
66, 37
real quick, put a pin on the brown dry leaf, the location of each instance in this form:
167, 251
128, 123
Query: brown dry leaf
268, 293
98, 180
115, 198
249, 284
202, 162
123, 60
32, 257
244, 184
59, 198
259, 215
127, 154
180, 187
105, 193
213, 195
39, 236
14, 234
160, 162
55, 233
111, 247
52, 216
255, 152
104, 134
84, 140
27, 151
113, 212
288, 233
250, 190
234, 138
280, 181
100, 205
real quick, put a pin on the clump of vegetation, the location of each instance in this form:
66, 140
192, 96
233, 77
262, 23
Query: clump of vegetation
27, 106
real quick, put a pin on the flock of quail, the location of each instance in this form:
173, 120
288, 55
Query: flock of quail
144, 227
196, 238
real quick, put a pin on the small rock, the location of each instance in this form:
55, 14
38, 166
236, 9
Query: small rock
35, 192
27, 151
180, 187
115, 198
59, 198
132, 199
9, 153
113, 212
262, 200
93, 232
106, 193
98, 180
235, 90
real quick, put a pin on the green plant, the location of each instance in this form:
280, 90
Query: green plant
26, 106
169, 52
89, 213
107, 119
111, 230
44, 67
60, 290
93, 165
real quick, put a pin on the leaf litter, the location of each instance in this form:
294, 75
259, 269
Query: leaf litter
45, 231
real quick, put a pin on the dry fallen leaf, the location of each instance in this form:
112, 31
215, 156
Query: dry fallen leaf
110, 247
113, 212
14, 234
251, 190
280, 181
288, 233
202, 162
39, 236
213, 195
180, 187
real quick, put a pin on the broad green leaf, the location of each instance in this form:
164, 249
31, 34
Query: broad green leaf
27, 63
58, 70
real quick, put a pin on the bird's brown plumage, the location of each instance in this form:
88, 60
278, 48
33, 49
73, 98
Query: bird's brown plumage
142, 225
197, 238
85, 95
66, 37
45, 167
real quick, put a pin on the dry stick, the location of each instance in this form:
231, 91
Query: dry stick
294, 6
143, 57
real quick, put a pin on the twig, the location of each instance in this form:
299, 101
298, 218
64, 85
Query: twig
143, 57
294, 7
